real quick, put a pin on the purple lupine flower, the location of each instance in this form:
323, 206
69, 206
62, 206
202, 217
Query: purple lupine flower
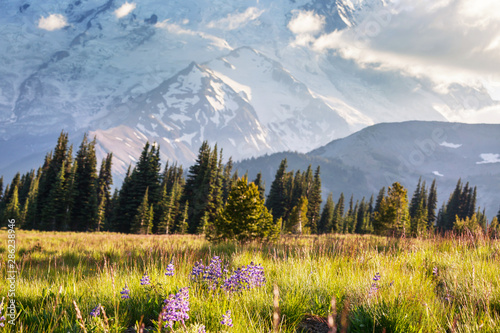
145, 280
226, 319
176, 308
374, 288
202, 329
125, 292
213, 273
197, 271
2, 318
246, 277
96, 311
170, 269
435, 271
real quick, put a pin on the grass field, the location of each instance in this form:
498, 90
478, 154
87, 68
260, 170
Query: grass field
434, 285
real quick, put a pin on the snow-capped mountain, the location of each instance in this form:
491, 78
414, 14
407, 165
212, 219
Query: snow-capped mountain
179, 72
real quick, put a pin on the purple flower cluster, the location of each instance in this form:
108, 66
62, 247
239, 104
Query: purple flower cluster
96, 311
125, 292
246, 277
2, 318
202, 329
176, 308
226, 319
170, 269
435, 271
145, 280
211, 274
374, 288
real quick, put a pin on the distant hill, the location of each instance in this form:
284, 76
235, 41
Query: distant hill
379, 155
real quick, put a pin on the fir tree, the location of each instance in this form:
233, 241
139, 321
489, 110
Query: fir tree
12, 210
244, 218
84, 212
298, 218
143, 220
393, 216
326, 219
277, 198
432, 205
261, 185
314, 199
338, 214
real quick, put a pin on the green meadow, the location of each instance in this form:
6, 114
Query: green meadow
426, 285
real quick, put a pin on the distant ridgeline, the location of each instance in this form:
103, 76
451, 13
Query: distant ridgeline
67, 193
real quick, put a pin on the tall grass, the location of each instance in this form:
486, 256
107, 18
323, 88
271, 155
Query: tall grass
427, 285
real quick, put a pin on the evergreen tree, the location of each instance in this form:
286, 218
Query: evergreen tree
277, 198
12, 210
326, 219
84, 212
361, 218
349, 219
244, 218
338, 214
165, 210
432, 205
56, 209
313, 209
104, 182
261, 185
393, 215
143, 220
298, 218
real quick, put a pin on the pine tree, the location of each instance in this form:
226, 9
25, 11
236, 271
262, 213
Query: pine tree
12, 210
276, 200
393, 216
432, 205
326, 219
143, 220
261, 185
298, 218
244, 218
84, 212
361, 218
165, 210
338, 214
104, 182
313, 210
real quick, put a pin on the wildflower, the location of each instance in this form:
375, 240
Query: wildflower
96, 311
246, 277
2, 318
170, 269
125, 292
197, 270
374, 287
213, 273
202, 329
435, 271
176, 308
226, 319
145, 280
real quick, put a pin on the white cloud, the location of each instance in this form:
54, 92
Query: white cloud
52, 22
236, 20
437, 173
448, 41
306, 22
450, 145
489, 158
125, 9
176, 29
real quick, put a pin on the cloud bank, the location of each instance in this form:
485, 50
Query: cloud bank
52, 22
449, 41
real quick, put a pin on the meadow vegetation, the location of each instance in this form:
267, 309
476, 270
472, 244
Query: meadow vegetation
366, 283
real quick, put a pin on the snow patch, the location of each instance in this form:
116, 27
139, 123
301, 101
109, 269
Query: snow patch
450, 145
489, 158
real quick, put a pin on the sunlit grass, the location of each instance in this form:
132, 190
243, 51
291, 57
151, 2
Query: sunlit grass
91, 269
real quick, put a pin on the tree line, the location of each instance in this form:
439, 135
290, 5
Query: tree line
70, 193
